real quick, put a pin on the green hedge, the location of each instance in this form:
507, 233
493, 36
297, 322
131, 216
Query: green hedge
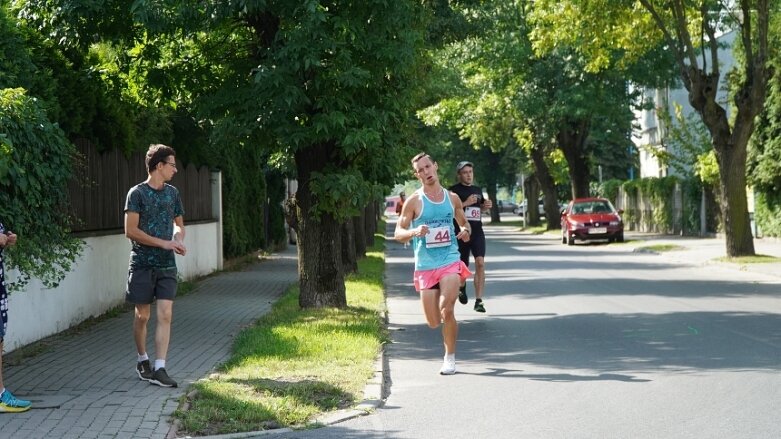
768, 213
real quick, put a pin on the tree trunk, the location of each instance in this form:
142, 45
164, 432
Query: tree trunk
572, 142
360, 234
548, 186
370, 222
349, 261
730, 145
490, 179
733, 201
531, 188
321, 279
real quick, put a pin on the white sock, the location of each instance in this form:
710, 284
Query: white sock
159, 364
142, 357
451, 357
2, 390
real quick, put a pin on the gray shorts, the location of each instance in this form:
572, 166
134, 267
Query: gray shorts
144, 285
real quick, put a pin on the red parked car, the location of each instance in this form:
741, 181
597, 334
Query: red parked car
591, 218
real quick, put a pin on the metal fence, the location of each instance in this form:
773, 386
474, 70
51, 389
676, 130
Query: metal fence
98, 190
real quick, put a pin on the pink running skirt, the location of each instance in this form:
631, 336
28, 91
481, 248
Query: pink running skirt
429, 279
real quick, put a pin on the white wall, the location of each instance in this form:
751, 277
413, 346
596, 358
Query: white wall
97, 284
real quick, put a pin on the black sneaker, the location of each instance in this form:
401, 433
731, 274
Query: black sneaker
462, 297
144, 370
161, 378
479, 305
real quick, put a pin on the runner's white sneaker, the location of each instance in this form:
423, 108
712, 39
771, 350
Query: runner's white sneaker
448, 365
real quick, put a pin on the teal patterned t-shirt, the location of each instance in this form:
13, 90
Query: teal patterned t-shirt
156, 212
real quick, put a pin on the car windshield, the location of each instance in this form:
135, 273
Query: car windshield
597, 206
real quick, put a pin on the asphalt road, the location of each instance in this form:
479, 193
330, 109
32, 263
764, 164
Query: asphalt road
590, 341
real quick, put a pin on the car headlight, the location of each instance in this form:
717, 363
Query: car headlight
615, 223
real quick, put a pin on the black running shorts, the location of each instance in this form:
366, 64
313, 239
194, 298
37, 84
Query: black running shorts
476, 246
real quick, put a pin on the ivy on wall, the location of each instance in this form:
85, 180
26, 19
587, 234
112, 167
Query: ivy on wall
650, 205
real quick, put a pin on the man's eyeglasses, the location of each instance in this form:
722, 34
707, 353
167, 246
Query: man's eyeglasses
170, 163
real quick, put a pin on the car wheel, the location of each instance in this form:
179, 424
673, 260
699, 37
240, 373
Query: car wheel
620, 237
571, 240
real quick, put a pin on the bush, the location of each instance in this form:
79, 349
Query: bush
768, 213
35, 166
609, 189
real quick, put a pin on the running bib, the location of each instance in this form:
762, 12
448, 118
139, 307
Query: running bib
438, 237
472, 213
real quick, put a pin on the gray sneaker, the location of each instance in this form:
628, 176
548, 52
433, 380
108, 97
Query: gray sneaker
144, 370
161, 378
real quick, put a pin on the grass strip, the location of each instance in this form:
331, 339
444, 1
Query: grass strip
293, 365
660, 248
756, 259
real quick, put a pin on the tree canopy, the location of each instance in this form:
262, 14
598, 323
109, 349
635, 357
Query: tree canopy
610, 32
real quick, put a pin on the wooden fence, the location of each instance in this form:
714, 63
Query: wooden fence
97, 192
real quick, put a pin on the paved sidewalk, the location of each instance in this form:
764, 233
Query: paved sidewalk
85, 385
705, 251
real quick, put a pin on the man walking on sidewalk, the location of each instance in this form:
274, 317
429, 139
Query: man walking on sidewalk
472, 198
439, 271
155, 227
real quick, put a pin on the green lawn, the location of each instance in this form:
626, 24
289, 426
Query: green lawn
294, 364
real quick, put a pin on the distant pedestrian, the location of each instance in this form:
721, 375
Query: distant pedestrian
472, 198
8, 402
427, 219
155, 226
400, 204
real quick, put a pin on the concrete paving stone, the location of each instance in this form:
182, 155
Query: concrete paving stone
59, 432
115, 422
78, 430
99, 423
148, 425
131, 423
69, 420
144, 432
138, 412
92, 412
108, 432
9, 422
83, 422
56, 415
122, 412
49, 424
